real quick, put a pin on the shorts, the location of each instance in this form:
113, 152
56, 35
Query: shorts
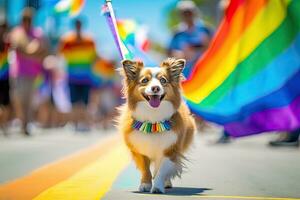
79, 93
4, 93
22, 90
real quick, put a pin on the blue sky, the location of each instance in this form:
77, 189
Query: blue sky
150, 12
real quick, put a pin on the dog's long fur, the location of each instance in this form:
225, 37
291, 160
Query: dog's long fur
165, 150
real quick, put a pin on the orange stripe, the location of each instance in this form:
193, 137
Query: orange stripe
212, 59
30, 186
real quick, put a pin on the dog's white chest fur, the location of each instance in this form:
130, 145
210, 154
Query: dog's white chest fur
152, 145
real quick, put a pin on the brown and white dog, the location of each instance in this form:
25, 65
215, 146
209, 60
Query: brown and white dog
153, 95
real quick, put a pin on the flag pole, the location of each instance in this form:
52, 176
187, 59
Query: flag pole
115, 28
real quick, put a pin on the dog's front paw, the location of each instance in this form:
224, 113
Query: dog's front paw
158, 186
156, 190
145, 187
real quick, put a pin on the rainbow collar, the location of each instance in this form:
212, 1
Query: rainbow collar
148, 127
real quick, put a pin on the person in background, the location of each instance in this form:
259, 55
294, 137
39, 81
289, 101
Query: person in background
29, 47
4, 77
191, 38
79, 52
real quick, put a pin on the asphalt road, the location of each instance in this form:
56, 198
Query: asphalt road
245, 169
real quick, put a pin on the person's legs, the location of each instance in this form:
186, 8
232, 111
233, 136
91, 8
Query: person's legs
294, 135
225, 138
26, 84
44, 112
22, 94
80, 99
4, 104
291, 139
84, 114
74, 96
94, 104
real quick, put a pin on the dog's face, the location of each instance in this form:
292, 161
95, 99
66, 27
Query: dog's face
153, 85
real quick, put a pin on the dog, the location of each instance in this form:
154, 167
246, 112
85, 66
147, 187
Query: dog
156, 124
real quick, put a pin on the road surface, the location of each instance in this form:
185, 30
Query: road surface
60, 164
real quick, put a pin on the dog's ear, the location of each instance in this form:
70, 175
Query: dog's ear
174, 67
131, 69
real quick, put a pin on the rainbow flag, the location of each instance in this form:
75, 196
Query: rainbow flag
135, 37
249, 78
133, 34
130, 37
4, 65
71, 7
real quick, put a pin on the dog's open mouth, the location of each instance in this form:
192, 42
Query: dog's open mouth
154, 100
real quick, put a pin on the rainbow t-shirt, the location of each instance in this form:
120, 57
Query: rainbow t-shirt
79, 56
4, 65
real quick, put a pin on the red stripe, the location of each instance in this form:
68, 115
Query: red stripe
225, 38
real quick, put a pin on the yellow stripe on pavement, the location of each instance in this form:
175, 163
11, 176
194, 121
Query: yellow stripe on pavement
93, 181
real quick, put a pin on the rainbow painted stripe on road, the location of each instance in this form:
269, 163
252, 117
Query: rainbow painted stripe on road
88, 174
248, 80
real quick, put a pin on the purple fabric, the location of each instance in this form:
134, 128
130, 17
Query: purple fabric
28, 66
280, 119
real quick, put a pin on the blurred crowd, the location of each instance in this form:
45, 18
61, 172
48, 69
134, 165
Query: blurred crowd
53, 85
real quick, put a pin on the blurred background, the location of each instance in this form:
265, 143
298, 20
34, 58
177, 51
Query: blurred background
50, 91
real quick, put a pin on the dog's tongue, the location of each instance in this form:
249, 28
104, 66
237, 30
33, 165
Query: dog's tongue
154, 101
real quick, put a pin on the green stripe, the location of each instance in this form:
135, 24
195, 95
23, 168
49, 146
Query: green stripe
79, 65
269, 49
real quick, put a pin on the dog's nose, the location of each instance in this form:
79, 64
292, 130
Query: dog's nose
155, 89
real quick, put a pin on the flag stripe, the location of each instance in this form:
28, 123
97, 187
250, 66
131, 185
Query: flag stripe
264, 82
3, 65
279, 98
278, 120
271, 17
229, 34
258, 60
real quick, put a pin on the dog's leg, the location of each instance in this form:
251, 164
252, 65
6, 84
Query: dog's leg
166, 170
143, 164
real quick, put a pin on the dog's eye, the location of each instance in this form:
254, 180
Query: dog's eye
144, 80
163, 80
